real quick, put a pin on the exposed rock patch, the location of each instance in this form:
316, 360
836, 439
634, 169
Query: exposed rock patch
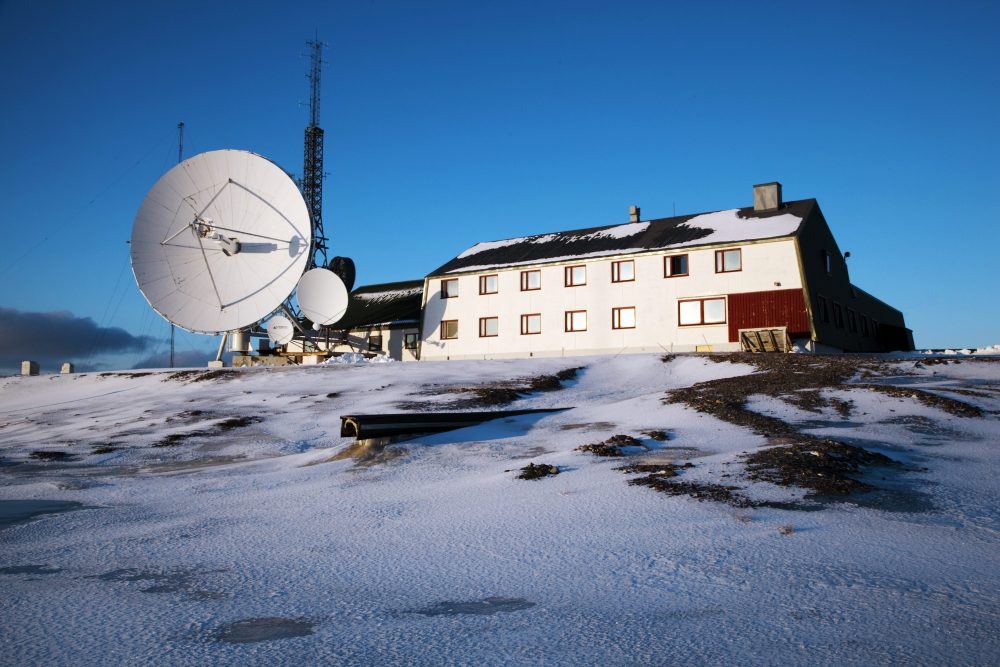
930, 399
197, 375
51, 455
496, 394
224, 426
537, 471
826, 467
666, 478
616, 445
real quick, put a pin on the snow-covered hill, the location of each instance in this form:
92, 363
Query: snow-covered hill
193, 518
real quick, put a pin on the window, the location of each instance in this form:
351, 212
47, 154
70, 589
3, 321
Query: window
410, 341
623, 318
727, 261
623, 271
852, 321
375, 343
875, 328
449, 329
576, 320
531, 324
864, 326
828, 262
822, 312
675, 265
576, 276
838, 315
489, 327
449, 288
488, 284
531, 280
692, 312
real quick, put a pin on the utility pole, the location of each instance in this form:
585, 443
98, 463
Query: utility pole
312, 166
180, 156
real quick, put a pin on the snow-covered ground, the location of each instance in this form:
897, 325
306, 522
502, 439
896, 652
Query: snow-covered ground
188, 553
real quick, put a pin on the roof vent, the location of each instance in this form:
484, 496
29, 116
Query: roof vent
767, 196
633, 213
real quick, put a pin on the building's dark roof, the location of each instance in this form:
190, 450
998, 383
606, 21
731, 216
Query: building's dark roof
731, 226
395, 304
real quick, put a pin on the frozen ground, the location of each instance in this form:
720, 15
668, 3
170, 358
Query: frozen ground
144, 519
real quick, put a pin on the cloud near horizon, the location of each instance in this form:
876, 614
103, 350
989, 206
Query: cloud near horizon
54, 337
182, 359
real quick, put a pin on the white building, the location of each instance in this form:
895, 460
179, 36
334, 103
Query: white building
687, 283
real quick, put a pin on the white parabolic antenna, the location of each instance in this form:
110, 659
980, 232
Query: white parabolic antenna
322, 296
279, 330
220, 241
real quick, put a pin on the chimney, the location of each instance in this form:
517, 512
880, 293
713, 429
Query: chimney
767, 196
633, 213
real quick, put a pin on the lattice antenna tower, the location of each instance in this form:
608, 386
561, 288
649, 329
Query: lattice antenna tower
312, 164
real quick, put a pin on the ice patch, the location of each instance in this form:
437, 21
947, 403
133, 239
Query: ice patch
254, 630
484, 607
18, 511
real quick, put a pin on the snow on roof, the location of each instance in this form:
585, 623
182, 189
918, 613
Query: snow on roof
617, 232
390, 295
383, 305
727, 226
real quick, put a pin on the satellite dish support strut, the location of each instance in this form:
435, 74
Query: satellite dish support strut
222, 346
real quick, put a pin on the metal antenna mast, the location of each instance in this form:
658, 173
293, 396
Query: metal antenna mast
180, 156
312, 167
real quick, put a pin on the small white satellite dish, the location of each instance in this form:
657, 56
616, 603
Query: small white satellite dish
280, 330
322, 296
220, 241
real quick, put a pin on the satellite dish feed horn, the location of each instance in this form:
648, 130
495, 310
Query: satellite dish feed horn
220, 241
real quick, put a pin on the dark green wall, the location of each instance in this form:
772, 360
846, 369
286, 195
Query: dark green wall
814, 238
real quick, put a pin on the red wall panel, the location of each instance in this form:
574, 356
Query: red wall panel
777, 308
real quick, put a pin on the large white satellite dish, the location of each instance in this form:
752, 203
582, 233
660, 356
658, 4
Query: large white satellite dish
220, 241
322, 296
280, 330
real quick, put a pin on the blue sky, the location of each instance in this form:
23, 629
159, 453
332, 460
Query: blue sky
449, 123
